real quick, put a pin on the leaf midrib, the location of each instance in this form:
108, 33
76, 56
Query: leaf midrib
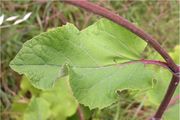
109, 65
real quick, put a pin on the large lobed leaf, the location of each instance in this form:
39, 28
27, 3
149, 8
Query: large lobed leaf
92, 57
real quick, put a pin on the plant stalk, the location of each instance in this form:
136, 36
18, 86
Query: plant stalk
80, 113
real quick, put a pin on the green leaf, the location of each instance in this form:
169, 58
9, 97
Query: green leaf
38, 109
97, 87
17, 109
42, 58
63, 104
175, 54
172, 113
56, 103
156, 94
163, 78
89, 56
27, 86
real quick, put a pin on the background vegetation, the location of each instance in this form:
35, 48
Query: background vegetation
159, 18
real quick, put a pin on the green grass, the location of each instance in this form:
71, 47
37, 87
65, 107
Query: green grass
159, 18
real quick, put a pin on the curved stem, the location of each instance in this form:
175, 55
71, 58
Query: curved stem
125, 23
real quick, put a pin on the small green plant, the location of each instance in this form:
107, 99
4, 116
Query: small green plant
100, 61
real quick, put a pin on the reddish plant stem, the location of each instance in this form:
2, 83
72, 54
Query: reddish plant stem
125, 23
80, 113
164, 104
154, 62
149, 39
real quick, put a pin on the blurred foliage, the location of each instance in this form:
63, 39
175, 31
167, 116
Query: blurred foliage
53, 104
172, 112
159, 18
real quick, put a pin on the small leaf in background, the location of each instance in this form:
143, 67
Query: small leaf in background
23, 19
27, 16
38, 109
172, 112
26, 86
18, 109
163, 78
56, 103
63, 103
175, 54
12, 18
18, 21
1, 19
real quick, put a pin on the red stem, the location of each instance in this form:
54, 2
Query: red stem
80, 113
149, 39
155, 62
